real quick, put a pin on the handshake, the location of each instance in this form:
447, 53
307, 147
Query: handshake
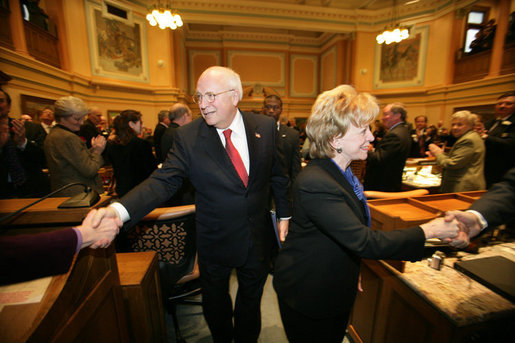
99, 228
455, 228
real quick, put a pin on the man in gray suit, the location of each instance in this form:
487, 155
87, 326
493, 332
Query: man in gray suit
231, 159
386, 162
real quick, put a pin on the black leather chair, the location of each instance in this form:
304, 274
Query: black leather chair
171, 233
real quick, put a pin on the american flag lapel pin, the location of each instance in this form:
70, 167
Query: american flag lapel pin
258, 135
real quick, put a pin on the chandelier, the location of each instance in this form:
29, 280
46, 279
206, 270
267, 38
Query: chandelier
396, 33
163, 16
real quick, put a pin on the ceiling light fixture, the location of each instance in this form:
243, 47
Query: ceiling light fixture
162, 15
397, 33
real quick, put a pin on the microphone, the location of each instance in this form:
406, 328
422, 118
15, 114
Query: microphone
86, 199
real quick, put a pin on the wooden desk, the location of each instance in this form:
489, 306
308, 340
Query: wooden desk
421, 304
45, 212
84, 305
141, 291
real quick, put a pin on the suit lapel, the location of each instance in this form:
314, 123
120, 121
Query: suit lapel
337, 175
214, 147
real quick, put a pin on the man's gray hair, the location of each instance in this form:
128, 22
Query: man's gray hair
398, 107
162, 115
177, 111
67, 106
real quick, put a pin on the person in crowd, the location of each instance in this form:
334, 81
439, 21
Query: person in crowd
317, 270
419, 137
386, 162
28, 257
494, 208
68, 158
463, 165
231, 159
131, 157
379, 132
25, 117
480, 127
21, 157
443, 138
500, 140
179, 115
287, 138
47, 119
89, 129
484, 38
163, 118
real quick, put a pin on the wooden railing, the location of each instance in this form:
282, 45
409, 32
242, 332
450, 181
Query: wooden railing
508, 59
472, 67
41, 44
5, 29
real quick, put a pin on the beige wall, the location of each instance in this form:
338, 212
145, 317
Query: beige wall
295, 69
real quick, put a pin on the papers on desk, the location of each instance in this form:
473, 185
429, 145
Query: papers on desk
24, 292
421, 178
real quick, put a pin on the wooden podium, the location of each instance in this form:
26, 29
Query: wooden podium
84, 305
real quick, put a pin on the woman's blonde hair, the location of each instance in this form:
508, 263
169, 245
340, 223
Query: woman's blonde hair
332, 114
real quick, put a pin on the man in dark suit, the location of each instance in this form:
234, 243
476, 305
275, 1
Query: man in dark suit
231, 159
89, 129
21, 158
494, 208
386, 162
179, 115
163, 123
287, 139
419, 137
500, 140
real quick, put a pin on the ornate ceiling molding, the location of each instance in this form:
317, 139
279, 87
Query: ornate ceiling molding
305, 17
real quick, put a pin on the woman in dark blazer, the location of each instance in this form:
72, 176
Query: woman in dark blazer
131, 156
317, 270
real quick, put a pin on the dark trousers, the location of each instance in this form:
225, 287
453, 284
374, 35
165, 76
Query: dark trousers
300, 328
217, 304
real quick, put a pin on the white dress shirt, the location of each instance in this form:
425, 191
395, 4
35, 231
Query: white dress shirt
238, 139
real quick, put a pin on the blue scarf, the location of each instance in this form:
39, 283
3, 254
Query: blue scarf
357, 187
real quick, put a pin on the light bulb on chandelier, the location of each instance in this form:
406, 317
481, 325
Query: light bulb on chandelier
163, 16
397, 32
395, 35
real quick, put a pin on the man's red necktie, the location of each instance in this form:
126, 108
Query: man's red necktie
235, 158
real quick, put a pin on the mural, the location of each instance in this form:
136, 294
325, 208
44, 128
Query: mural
399, 62
119, 45
402, 64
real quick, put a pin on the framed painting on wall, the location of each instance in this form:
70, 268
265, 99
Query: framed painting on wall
33, 105
111, 114
117, 45
402, 64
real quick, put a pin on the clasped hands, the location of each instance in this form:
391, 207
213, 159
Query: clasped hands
455, 228
100, 227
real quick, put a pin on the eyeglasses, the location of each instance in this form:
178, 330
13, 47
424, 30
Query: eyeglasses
210, 97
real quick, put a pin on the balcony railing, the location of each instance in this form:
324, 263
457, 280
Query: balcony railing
41, 44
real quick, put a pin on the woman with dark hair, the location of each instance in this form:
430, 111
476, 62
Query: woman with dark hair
131, 156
